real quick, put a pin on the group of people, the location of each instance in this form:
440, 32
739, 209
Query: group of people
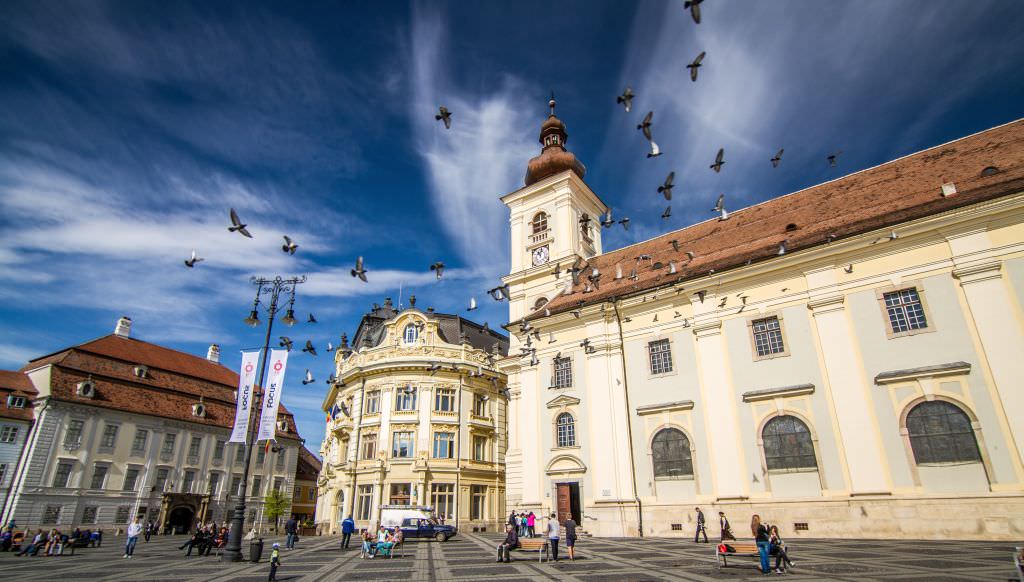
383, 541
769, 542
51, 543
723, 524
552, 531
206, 539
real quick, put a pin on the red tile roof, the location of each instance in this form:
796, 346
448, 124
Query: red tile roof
902, 190
16, 384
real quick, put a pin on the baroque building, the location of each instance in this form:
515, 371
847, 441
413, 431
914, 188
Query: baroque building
844, 360
416, 417
125, 427
16, 397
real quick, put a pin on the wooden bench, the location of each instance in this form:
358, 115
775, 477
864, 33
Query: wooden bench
743, 550
540, 545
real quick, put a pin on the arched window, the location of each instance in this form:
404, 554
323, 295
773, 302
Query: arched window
787, 444
566, 429
540, 222
671, 452
410, 334
941, 433
539, 303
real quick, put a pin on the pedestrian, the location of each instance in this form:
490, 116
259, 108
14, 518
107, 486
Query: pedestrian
6, 539
570, 537
522, 525
291, 530
367, 545
275, 561
723, 522
531, 521
552, 533
778, 549
348, 527
134, 529
700, 527
760, 533
148, 531
512, 520
511, 542
37, 543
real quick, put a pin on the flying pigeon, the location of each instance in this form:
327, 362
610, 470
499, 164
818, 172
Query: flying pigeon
359, 271
719, 161
675, 245
666, 188
625, 223
309, 378
434, 368
778, 158
608, 221
444, 115
557, 271
237, 226
695, 65
832, 159
311, 319
499, 293
286, 342
667, 213
309, 348
438, 269
330, 347
289, 246
694, 7
472, 304
645, 127
551, 337
192, 260
626, 99
723, 214
690, 255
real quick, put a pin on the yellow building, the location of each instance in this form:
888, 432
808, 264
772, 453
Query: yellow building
845, 360
418, 419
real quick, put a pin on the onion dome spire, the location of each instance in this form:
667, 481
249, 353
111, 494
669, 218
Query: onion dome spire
554, 158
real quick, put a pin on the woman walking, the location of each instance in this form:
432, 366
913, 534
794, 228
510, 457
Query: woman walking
760, 533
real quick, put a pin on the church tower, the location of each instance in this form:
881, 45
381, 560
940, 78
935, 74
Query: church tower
554, 219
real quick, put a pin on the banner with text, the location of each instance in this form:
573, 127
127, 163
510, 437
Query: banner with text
243, 401
272, 395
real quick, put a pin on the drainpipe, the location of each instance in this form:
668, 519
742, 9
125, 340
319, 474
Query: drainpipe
629, 421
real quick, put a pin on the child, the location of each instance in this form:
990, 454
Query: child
275, 561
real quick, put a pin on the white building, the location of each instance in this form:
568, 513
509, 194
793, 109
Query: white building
16, 396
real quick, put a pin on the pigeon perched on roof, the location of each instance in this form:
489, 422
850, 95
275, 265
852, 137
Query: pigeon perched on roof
237, 226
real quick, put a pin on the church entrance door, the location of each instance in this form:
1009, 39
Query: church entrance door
568, 502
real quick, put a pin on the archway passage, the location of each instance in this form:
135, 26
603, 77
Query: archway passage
181, 519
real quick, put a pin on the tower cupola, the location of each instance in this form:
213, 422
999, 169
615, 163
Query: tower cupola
553, 158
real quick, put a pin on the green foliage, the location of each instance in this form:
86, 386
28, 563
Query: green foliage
275, 504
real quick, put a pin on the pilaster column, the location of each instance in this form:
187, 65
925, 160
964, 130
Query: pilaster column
849, 389
728, 467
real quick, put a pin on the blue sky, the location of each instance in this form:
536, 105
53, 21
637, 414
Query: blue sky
128, 129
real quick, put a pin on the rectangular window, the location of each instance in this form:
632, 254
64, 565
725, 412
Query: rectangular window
444, 400
3, 473
99, 476
369, 446
239, 455
405, 398
767, 336
214, 484
479, 448
73, 437
442, 497
480, 405
444, 445
401, 494
372, 405
16, 401
478, 501
51, 514
402, 445
278, 484
218, 450
257, 485
109, 438
8, 434
89, 514
236, 485
364, 502
312, 494
563, 373
661, 356
193, 447
261, 455
139, 442
63, 473
131, 477
186, 483
122, 513
905, 310
168, 448
161, 479
279, 458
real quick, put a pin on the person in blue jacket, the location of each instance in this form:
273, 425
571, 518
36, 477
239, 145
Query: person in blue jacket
348, 527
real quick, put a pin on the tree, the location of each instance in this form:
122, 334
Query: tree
275, 504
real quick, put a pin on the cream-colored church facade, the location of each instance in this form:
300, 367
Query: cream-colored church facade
845, 361
418, 420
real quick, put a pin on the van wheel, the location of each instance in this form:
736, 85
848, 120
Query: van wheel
441, 537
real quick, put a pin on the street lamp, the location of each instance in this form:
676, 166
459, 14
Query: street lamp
274, 288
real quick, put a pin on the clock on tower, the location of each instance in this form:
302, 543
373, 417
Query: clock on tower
540, 255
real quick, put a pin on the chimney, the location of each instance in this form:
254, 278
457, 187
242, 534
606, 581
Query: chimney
124, 327
213, 354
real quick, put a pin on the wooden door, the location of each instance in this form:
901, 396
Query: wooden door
564, 502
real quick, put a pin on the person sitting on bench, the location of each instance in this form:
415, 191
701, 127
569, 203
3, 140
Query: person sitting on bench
511, 541
778, 549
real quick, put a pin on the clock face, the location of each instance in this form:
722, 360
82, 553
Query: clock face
540, 255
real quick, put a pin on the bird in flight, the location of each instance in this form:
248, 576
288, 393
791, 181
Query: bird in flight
626, 99
499, 293
778, 158
694, 7
359, 271
438, 269
192, 260
289, 246
675, 245
723, 214
472, 304
311, 319
666, 188
309, 378
608, 221
309, 348
625, 223
237, 226
719, 161
833, 158
667, 213
286, 342
445, 116
330, 347
645, 127
695, 65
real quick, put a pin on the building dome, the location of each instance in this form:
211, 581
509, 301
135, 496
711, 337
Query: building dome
553, 158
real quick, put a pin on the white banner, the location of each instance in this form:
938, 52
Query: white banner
272, 395
243, 401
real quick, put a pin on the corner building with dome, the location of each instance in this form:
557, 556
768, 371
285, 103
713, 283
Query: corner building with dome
844, 360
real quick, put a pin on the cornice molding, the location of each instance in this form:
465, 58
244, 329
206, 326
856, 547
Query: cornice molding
664, 407
950, 369
781, 392
979, 272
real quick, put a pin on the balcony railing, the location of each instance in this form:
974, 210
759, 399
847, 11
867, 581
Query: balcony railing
540, 237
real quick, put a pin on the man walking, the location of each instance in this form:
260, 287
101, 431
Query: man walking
148, 530
570, 537
552, 534
134, 529
348, 527
700, 527
511, 541
291, 528
723, 522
